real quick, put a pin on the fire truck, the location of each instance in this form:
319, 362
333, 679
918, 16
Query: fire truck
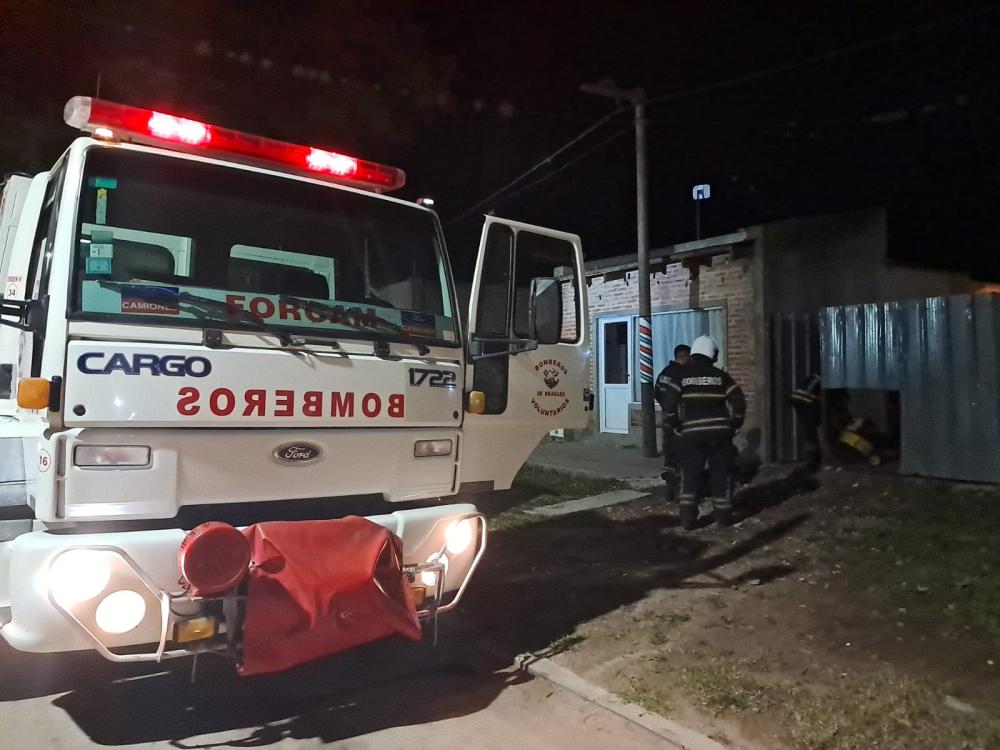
212, 345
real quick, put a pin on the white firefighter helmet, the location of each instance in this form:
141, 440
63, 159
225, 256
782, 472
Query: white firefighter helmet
706, 347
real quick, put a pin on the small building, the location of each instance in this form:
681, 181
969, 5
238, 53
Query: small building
745, 289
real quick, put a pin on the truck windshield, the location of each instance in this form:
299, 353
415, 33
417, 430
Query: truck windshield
154, 231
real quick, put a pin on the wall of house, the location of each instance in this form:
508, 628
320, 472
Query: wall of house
840, 259
727, 282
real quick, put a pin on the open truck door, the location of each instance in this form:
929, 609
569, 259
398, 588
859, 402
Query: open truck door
528, 347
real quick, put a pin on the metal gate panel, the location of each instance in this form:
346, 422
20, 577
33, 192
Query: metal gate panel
795, 354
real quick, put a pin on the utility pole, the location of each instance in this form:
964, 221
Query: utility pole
637, 98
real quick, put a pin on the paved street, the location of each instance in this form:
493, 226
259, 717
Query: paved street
395, 695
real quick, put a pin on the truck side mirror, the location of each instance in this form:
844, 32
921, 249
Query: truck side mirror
38, 313
545, 310
29, 315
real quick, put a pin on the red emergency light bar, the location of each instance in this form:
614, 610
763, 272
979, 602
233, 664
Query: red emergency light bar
144, 125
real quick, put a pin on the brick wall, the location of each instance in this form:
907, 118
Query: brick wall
727, 282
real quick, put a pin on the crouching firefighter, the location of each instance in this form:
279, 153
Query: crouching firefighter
706, 406
806, 401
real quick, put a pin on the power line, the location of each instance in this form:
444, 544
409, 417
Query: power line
822, 57
543, 163
729, 83
544, 178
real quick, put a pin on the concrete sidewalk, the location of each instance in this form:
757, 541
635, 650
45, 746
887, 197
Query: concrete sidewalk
597, 458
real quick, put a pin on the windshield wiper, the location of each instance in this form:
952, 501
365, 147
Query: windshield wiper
344, 317
196, 300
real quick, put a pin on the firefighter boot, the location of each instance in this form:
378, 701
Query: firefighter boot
689, 512
722, 511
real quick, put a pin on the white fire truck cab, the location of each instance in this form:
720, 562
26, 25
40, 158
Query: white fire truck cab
201, 325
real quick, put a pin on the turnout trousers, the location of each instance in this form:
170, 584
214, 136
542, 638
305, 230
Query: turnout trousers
696, 449
671, 465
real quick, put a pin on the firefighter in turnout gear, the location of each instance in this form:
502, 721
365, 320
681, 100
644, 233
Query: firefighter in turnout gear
671, 467
706, 406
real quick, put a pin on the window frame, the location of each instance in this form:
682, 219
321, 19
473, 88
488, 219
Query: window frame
509, 303
573, 281
39, 272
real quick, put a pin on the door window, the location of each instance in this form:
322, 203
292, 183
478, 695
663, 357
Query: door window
511, 262
616, 353
540, 256
493, 317
493, 313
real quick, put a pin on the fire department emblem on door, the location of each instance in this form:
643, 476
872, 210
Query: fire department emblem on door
550, 400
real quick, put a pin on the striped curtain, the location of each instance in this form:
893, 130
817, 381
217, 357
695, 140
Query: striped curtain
679, 327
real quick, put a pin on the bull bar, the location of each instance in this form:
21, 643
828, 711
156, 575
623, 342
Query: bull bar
169, 600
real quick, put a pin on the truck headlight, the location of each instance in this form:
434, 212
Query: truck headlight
78, 575
120, 612
110, 456
458, 536
104, 593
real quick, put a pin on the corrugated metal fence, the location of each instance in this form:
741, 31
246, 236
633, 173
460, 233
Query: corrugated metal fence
943, 356
861, 346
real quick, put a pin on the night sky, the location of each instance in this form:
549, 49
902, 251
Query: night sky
786, 108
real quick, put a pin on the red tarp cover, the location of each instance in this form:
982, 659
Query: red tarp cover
319, 587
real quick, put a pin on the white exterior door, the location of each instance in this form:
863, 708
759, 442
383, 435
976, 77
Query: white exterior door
614, 374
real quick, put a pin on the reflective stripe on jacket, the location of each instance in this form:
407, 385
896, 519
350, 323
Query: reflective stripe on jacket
807, 394
704, 399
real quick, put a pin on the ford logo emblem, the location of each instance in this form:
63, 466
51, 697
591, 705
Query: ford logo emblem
297, 453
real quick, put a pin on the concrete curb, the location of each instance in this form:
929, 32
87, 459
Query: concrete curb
678, 735
591, 502
636, 483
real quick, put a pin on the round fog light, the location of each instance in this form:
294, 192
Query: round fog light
78, 575
459, 536
120, 612
429, 577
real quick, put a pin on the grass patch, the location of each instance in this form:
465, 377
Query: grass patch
935, 552
659, 635
725, 688
510, 520
546, 487
536, 481
886, 713
515, 518
646, 699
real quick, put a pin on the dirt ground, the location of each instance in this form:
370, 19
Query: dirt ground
846, 611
